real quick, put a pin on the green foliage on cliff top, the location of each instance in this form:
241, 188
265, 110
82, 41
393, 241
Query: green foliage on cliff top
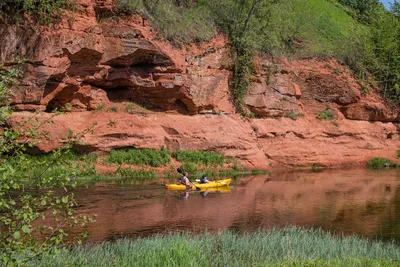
44, 11
184, 21
359, 33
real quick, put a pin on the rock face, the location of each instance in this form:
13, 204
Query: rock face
256, 143
87, 64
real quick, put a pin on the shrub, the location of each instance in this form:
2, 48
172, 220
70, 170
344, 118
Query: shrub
326, 115
111, 123
380, 163
130, 108
100, 107
44, 11
113, 109
192, 22
189, 167
149, 157
200, 157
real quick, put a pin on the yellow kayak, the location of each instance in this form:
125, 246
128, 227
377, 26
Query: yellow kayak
211, 184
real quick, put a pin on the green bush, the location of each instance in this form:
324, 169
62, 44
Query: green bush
45, 11
185, 23
326, 115
190, 167
149, 157
68, 164
200, 157
380, 163
113, 109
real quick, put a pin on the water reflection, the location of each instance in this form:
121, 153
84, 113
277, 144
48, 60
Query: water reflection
351, 201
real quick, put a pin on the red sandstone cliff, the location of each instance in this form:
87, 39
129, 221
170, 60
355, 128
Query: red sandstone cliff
91, 63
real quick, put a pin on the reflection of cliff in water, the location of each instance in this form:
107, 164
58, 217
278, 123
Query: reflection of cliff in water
350, 201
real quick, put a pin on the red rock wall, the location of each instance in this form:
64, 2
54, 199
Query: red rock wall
89, 63
86, 62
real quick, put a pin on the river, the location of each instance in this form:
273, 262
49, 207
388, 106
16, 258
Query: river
354, 202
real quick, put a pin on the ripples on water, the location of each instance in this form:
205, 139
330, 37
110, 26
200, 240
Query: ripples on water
361, 202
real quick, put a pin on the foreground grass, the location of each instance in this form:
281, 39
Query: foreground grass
287, 247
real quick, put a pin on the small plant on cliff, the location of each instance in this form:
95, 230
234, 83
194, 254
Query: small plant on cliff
111, 123
130, 108
100, 107
325, 114
294, 115
113, 109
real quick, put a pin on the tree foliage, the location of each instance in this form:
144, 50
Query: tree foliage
36, 208
44, 11
364, 9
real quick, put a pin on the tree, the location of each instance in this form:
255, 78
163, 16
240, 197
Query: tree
36, 204
236, 17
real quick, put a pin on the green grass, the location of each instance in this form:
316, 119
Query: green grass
130, 108
147, 157
285, 247
325, 115
113, 109
322, 28
200, 157
100, 107
53, 166
380, 163
176, 23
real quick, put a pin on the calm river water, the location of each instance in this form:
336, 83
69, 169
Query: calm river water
361, 202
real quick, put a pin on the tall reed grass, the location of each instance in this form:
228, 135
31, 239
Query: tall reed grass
285, 247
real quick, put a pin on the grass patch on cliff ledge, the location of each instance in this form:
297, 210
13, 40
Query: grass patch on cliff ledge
62, 165
277, 247
200, 157
381, 163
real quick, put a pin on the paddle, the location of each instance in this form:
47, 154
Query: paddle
180, 171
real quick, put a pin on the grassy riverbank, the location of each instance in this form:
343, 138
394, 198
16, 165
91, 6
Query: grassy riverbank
287, 247
141, 165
